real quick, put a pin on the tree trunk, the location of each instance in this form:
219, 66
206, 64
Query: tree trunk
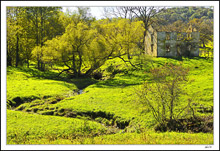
88, 72
38, 64
9, 59
74, 66
17, 52
171, 109
42, 68
163, 111
28, 63
37, 37
171, 102
17, 40
9, 62
94, 67
203, 43
80, 63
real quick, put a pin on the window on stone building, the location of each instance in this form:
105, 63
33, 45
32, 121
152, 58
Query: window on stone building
152, 38
178, 50
152, 47
167, 36
189, 35
179, 36
168, 48
189, 47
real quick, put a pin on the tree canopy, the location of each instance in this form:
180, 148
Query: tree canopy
81, 44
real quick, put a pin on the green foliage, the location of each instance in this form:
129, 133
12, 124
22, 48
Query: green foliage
171, 15
205, 28
83, 49
28, 27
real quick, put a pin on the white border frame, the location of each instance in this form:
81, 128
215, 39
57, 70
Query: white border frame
99, 4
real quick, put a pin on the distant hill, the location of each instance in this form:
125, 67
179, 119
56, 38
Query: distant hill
185, 14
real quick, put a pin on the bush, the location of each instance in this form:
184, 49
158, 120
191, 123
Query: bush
162, 95
192, 124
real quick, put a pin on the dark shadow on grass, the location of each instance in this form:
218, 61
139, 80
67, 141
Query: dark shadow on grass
80, 83
126, 79
114, 83
180, 58
201, 58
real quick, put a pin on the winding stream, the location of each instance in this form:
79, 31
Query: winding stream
80, 92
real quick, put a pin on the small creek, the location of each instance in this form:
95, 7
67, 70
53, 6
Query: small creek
92, 115
80, 92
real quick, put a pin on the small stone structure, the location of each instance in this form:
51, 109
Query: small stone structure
172, 44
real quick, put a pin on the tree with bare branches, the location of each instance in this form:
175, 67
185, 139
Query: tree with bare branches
140, 13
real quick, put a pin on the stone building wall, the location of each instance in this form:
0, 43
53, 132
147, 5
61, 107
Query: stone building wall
171, 44
151, 42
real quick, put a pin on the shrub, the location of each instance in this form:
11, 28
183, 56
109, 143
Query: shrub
192, 124
162, 95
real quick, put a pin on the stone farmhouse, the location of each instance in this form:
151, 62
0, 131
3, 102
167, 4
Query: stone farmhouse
172, 44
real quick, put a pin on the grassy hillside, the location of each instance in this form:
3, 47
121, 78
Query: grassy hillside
27, 84
110, 102
24, 128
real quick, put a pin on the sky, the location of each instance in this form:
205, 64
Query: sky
95, 11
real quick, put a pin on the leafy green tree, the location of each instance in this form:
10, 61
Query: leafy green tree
37, 53
210, 14
82, 49
177, 26
173, 14
14, 32
28, 27
205, 28
122, 38
45, 25
144, 14
11, 37
82, 14
70, 47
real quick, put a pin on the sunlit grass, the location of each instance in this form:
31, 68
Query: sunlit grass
24, 84
23, 127
115, 96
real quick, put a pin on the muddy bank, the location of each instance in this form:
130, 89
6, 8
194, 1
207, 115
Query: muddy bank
43, 106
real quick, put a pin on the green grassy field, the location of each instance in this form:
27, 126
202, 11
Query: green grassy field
105, 113
29, 84
27, 128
